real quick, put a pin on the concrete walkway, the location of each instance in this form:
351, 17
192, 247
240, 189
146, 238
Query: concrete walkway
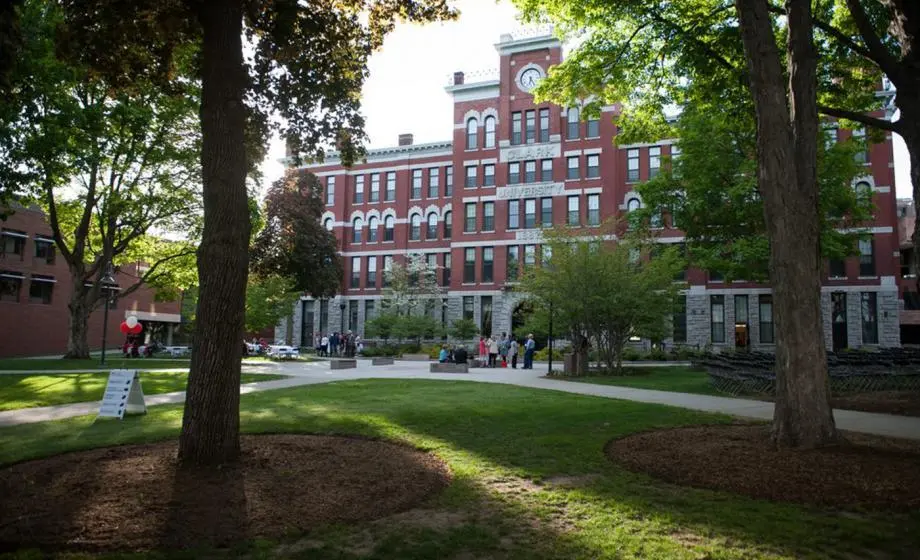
299, 374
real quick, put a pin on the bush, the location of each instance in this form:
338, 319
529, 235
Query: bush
631, 355
657, 355
543, 355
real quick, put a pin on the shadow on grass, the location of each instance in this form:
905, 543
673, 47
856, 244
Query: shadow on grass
506, 446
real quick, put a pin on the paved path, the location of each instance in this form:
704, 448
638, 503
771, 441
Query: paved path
300, 374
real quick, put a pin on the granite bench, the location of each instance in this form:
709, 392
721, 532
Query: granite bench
438, 367
416, 357
382, 361
343, 363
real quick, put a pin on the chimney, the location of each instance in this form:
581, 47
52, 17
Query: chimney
405, 139
458, 78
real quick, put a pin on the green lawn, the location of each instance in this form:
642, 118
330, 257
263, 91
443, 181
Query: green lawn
115, 361
27, 391
505, 445
680, 379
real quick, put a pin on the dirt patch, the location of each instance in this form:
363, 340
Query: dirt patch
576, 481
865, 472
902, 403
133, 498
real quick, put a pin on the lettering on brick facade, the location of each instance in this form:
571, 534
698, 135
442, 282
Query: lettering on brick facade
530, 191
535, 151
535, 235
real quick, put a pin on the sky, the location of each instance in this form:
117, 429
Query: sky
405, 90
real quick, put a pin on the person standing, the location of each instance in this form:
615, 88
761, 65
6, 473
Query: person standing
483, 350
529, 347
503, 350
324, 346
493, 351
513, 352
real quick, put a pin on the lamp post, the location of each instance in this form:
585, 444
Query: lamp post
550, 341
108, 284
342, 309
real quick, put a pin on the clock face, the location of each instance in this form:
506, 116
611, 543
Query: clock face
529, 78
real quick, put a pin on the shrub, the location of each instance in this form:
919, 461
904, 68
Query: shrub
631, 355
543, 355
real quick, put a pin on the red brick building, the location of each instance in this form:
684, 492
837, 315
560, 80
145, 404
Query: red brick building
475, 207
35, 289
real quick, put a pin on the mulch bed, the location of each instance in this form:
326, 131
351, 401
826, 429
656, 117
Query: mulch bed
864, 472
902, 403
133, 498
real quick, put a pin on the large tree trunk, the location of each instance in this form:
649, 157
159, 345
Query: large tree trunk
77, 343
787, 147
211, 423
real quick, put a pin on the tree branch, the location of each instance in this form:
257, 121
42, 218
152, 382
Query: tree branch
867, 120
879, 54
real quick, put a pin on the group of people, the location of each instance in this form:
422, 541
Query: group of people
496, 352
345, 344
135, 348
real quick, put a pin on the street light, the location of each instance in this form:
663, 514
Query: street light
108, 285
550, 341
342, 309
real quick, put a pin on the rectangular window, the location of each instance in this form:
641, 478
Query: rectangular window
14, 243
530, 255
679, 320
514, 214
45, 250
654, 161
387, 267
765, 313
468, 309
369, 310
594, 128
574, 216
488, 216
323, 315
488, 175
431, 232
416, 184
41, 289
717, 318
355, 272
546, 170
862, 155
546, 212
682, 251
530, 171
869, 306
837, 268
516, 127
715, 276
741, 309
371, 272
431, 259
866, 257
353, 315
572, 170
469, 222
514, 173
375, 187
485, 315
594, 166
330, 191
572, 122
530, 126
544, 125
448, 224
530, 213
469, 265
434, 180
546, 254
359, 189
675, 157
446, 270
632, 165
470, 177
488, 258
10, 286
512, 264
391, 186
594, 209
449, 180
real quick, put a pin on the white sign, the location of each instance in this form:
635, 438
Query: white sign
531, 151
123, 394
529, 235
530, 191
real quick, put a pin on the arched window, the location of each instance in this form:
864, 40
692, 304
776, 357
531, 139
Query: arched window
432, 232
863, 191
448, 224
415, 233
327, 223
356, 228
388, 223
490, 132
633, 204
372, 225
472, 130
572, 122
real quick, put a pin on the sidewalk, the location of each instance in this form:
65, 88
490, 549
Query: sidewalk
318, 372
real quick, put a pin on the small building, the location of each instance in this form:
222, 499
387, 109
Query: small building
36, 286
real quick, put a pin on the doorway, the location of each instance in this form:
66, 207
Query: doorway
742, 331
839, 320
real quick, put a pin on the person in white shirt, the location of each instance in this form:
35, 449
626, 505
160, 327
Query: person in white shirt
493, 351
529, 347
324, 344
